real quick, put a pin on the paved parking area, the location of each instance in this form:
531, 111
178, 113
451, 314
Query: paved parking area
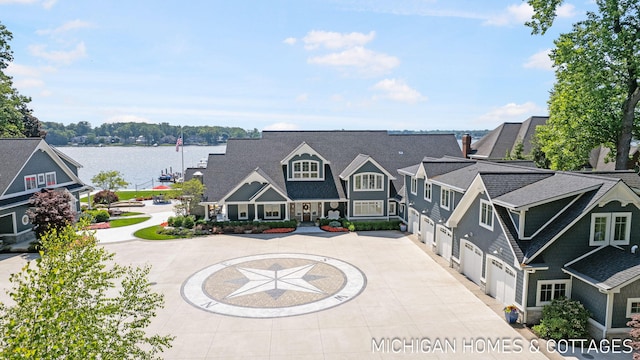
410, 307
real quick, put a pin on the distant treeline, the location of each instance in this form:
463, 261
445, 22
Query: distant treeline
133, 133
475, 134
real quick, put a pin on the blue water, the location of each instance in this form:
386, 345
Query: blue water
140, 166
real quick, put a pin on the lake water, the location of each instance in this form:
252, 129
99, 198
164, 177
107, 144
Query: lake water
140, 166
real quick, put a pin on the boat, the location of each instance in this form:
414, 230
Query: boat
202, 163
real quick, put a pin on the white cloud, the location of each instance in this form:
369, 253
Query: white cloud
509, 112
127, 118
367, 62
302, 97
514, 14
566, 11
282, 126
70, 25
60, 57
47, 4
539, 60
519, 14
15, 69
397, 90
290, 41
28, 83
334, 40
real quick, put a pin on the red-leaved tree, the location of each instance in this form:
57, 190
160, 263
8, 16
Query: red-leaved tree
50, 209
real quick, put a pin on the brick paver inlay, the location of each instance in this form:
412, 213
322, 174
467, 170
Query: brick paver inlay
274, 285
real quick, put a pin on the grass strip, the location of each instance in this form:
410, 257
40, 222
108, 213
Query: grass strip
127, 221
151, 233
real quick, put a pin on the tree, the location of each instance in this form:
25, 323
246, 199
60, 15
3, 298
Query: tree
189, 194
634, 324
51, 209
74, 303
110, 180
16, 119
595, 98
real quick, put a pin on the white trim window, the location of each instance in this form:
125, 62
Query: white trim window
486, 214
548, 290
414, 185
243, 211
51, 178
271, 211
30, 182
445, 198
633, 307
305, 169
368, 182
41, 179
610, 229
392, 208
368, 208
427, 191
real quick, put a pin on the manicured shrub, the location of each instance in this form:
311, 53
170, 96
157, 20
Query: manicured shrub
188, 222
177, 221
101, 215
335, 224
563, 319
105, 197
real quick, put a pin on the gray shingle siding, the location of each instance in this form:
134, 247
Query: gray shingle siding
538, 216
246, 191
591, 298
620, 303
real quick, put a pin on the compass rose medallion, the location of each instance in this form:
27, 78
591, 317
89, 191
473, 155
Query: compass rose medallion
273, 285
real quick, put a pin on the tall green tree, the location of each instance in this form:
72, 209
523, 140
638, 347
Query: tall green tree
595, 98
16, 119
74, 303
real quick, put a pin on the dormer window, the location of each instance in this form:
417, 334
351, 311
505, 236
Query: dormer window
305, 169
610, 229
30, 182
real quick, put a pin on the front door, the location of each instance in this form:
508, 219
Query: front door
306, 212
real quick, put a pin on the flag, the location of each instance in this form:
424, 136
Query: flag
178, 144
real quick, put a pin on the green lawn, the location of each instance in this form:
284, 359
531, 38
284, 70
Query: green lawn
151, 233
127, 221
128, 195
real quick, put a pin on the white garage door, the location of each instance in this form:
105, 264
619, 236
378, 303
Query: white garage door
502, 282
427, 230
444, 242
414, 222
472, 262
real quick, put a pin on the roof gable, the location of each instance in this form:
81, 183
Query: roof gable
606, 268
303, 148
359, 162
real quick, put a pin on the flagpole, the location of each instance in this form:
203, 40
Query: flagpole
182, 137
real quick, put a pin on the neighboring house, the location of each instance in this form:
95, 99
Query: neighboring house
306, 175
28, 166
501, 142
527, 236
601, 160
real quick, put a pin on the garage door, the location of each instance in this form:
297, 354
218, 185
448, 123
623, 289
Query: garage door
472, 262
414, 222
501, 282
427, 230
444, 242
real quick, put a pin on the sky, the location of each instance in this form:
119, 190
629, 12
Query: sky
284, 64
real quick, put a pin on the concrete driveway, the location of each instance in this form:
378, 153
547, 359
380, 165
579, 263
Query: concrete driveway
410, 308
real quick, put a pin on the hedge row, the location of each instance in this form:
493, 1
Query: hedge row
362, 225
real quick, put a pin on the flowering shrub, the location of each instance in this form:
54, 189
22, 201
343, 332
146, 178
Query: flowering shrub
278, 231
634, 324
510, 308
333, 229
164, 224
104, 225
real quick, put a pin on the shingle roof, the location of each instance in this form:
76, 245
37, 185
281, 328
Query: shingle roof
463, 177
507, 183
629, 177
550, 187
607, 268
223, 172
501, 141
14, 153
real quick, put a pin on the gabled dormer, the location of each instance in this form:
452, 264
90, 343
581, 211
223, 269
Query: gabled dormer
304, 164
254, 187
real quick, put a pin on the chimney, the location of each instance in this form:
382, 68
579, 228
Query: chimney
466, 145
